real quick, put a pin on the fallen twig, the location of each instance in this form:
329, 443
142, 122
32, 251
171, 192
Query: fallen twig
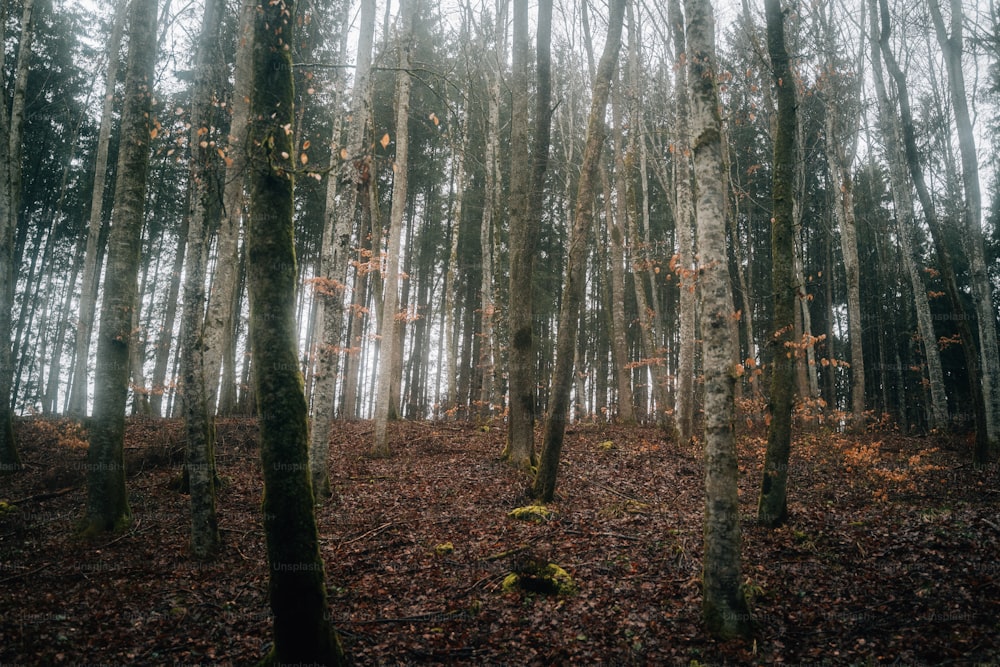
370, 533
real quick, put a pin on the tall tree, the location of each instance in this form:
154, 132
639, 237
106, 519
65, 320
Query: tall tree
951, 41
301, 626
772, 508
341, 211
573, 288
385, 408
842, 118
107, 499
902, 200
91, 270
220, 332
725, 608
520, 448
11, 151
945, 262
683, 217
205, 186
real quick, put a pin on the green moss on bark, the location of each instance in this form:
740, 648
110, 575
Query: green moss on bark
302, 629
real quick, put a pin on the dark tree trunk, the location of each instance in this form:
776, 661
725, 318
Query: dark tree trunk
107, 499
772, 509
297, 587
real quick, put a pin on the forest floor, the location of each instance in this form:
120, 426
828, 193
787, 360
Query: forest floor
891, 555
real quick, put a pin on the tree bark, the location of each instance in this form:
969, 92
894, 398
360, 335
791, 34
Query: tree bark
684, 216
569, 312
520, 447
11, 135
220, 328
725, 610
385, 407
302, 629
616, 223
340, 217
204, 184
905, 224
772, 508
951, 45
107, 499
982, 446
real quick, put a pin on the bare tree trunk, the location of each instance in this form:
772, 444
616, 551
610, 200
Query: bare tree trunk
905, 224
333, 265
569, 312
161, 351
525, 218
951, 45
449, 335
982, 446
385, 409
11, 135
684, 216
843, 111
725, 608
91, 269
204, 184
107, 499
772, 507
615, 221
220, 327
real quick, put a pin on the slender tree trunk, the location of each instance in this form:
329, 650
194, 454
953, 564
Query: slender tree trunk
635, 168
302, 629
725, 609
11, 135
772, 508
572, 298
91, 265
204, 183
982, 446
520, 448
385, 409
843, 188
107, 500
165, 340
220, 327
905, 224
340, 217
684, 216
616, 223
951, 45
450, 345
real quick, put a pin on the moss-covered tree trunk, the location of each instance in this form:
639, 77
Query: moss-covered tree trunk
573, 288
297, 587
725, 609
204, 184
772, 506
107, 500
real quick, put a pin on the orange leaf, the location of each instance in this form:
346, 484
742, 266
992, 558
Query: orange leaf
385, 140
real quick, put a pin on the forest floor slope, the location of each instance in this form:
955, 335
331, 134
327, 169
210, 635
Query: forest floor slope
892, 553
